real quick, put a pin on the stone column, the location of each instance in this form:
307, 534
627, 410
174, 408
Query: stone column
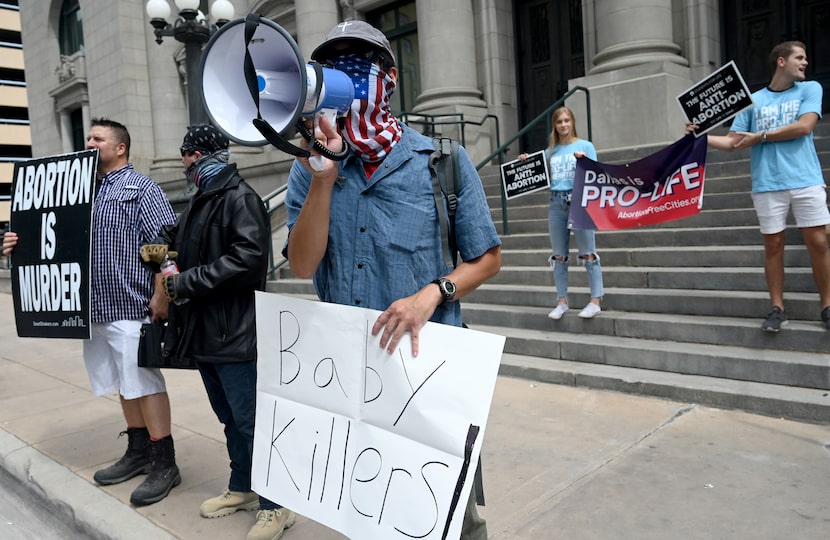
66, 132
449, 78
633, 32
314, 20
169, 110
446, 37
634, 71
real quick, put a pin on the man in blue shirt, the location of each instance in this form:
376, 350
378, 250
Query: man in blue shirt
367, 228
785, 172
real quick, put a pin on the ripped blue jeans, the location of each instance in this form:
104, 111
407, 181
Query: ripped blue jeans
560, 237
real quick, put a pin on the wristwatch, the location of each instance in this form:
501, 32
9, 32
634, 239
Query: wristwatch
763, 136
447, 289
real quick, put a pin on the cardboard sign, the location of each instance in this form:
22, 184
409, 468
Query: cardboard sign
371, 444
51, 211
715, 99
523, 177
664, 186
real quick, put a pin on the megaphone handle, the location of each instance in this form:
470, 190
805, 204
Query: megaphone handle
319, 147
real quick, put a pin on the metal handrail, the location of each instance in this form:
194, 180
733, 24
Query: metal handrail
544, 115
272, 268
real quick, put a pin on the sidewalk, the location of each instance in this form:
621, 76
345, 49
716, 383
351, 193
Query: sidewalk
559, 462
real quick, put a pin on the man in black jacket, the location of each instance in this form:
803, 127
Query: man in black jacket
221, 240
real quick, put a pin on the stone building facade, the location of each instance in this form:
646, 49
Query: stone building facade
495, 63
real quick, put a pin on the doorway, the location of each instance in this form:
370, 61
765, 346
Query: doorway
550, 51
752, 29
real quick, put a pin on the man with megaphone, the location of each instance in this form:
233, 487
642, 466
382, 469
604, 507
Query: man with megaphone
367, 228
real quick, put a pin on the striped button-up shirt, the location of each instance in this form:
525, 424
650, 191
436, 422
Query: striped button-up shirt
129, 210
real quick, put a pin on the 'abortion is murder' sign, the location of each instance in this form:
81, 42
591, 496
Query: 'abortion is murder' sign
51, 211
377, 446
664, 186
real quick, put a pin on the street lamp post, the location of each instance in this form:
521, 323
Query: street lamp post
192, 29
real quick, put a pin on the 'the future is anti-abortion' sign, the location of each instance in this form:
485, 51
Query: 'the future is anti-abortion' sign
521, 177
715, 99
51, 211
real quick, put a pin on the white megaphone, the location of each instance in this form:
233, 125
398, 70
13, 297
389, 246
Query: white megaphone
257, 89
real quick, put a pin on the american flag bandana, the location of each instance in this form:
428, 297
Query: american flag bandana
369, 128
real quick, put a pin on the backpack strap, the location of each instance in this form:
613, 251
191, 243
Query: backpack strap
445, 183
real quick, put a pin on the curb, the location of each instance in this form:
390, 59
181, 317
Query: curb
94, 512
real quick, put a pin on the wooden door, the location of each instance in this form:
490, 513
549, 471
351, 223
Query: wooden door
550, 52
751, 28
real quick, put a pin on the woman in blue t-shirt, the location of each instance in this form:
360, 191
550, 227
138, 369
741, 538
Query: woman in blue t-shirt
564, 148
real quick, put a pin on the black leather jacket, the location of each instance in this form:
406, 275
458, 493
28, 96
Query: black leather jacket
222, 239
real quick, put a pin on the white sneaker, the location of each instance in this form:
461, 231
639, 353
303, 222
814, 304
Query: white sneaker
558, 311
590, 311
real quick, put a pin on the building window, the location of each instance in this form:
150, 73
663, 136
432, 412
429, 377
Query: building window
76, 123
71, 31
400, 25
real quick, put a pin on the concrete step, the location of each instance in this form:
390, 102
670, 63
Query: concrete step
646, 237
705, 303
798, 279
798, 335
712, 201
694, 256
806, 404
735, 217
806, 370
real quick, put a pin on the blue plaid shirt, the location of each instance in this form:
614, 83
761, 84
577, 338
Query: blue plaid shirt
129, 210
384, 241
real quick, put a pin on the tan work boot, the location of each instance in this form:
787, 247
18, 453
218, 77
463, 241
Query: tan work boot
229, 502
270, 524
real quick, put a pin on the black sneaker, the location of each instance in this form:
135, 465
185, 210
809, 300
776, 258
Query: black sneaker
825, 317
775, 320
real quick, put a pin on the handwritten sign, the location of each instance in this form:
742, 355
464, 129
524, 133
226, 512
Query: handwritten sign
51, 210
373, 445
520, 177
715, 99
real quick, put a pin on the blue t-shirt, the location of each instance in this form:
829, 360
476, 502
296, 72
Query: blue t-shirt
562, 163
384, 242
783, 165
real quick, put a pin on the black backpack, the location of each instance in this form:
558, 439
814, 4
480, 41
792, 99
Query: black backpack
443, 166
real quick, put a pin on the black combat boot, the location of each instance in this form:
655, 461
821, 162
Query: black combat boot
134, 462
163, 476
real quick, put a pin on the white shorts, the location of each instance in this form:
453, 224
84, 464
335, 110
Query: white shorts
111, 359
809, 208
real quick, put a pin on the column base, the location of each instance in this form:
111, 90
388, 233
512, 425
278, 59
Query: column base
633, 106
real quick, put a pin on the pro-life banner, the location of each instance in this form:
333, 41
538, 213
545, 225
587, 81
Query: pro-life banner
715, 99
527, 176
664, 186
374, 445
51, 211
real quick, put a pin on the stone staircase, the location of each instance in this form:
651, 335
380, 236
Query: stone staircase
682, 309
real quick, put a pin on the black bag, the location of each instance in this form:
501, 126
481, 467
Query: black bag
153, 352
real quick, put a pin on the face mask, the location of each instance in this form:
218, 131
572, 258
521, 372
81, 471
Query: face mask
369, 128
201, 171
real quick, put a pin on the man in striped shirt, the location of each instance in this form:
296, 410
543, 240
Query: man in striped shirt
128, 211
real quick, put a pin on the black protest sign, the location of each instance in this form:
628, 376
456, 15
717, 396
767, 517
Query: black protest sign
520, 177
51, 212
715, 99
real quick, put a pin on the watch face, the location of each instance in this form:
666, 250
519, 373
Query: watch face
449, 287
